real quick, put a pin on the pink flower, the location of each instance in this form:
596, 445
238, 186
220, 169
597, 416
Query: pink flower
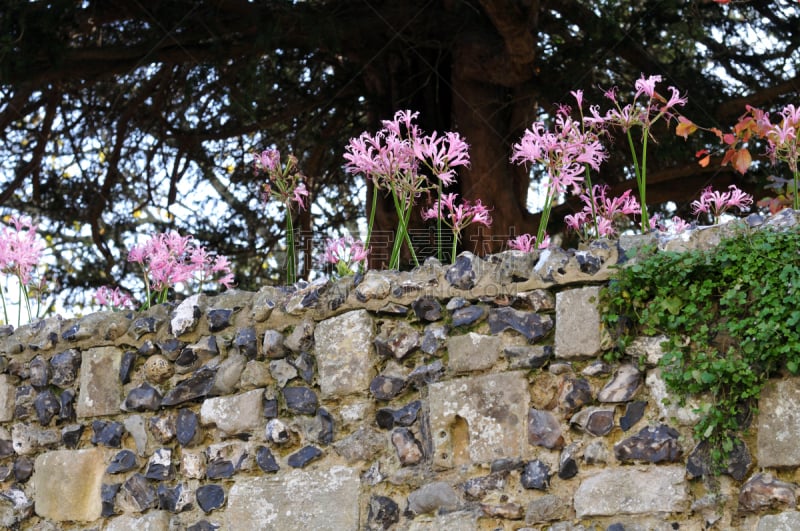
347, 254
114, 298
20, 249
602, 211
716, 203
283, 182
299, 195
457, 217
646, 85
527, 243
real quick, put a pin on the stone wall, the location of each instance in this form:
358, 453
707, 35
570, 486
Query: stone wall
462, 397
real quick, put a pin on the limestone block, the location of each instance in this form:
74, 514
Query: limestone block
101, 388
779, 424
473, 352
478, 419
296, 501
234, 414
344, 350
7, 393
785, 521
627, 490
67, 484
577, 323
152, 521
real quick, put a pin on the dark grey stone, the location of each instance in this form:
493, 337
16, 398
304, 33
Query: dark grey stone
386, 387
427, 309
67, 409
304, 456
187, 427
173, 499
245, 340
462, 275
39, 372
764, 492
139, 494
530, 324
633, 413
107, 433
270, 408
476, 488
171, 348
126, 366
107, 494
220, 469
325, 422
23, 469
6, 448
573, 394
301, 400
737, 465
528, 357
425, 374
568, 462
47, 406
203, 525
535, 475
123, 461
544, 429
434, 338
265, 460
160, 467
196, 386
468, 315
71, 435
143, 398
383, 513
24, 399
210, 497
304, 363
654, 444
219, 319
143, 326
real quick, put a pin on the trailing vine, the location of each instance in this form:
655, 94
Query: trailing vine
732, 316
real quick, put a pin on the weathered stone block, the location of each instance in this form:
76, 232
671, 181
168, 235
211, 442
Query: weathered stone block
779, 423
298, 500
577, 323
785, 521
7, 392
234, 414
67, 484
479, 419
344, 350
633, 491
101, 389
473, 352
152, 521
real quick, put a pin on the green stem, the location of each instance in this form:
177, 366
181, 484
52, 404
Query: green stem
439, 224
455, 247
548, 205
639, 177
5, 310
372, 213
795, 198
291, 275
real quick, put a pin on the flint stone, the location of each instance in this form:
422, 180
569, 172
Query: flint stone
544, 429
245, 340
174, 499
23, 469
24, 399
229, 372
344, 349
187, 427
47, 406
763, 492
100, 389
277, 432
654, 444
301, 400
205, 525
273, 345
362, 445
427, 309
298, 500
546, 509
71, 435
163, 428
186, 316
614, 492
74, 475
397, 341
196, 386
67, 401
462, 274
623, 385
473, 352
220, 469
737, 464
143, 398
304, 456
265, 460
597, 421
143, 326
234, 414
408, 448
468, 315
432, 497
573, 394
476, 488
527, 357
634, 411
210, 497
39, 372
578, 323
383, 513
107, 494
531, 325
123, 461
159, 466
779, 424
425, 374
405, 416
374, 285
126, 366
386, 387
219, 319
136, 495
27, 439
478, 419
434, 338
535, 475
568, 462
107, 433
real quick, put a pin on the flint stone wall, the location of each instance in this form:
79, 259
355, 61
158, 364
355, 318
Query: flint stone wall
471, 396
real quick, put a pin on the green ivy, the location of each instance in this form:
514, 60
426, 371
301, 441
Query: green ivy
732, 316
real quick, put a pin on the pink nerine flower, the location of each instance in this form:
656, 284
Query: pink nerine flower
458, 216
527, 243
347, 254
20, 249
716, 203
114, 298
602, 211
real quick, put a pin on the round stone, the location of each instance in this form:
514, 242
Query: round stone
210, 497
158, 369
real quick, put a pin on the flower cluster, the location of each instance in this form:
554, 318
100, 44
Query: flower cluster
20, 253
113, 298
347, 254
527, 243
457, 216
602, 212
168, 259
716, 203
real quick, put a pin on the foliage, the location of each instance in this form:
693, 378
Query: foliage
730, 314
